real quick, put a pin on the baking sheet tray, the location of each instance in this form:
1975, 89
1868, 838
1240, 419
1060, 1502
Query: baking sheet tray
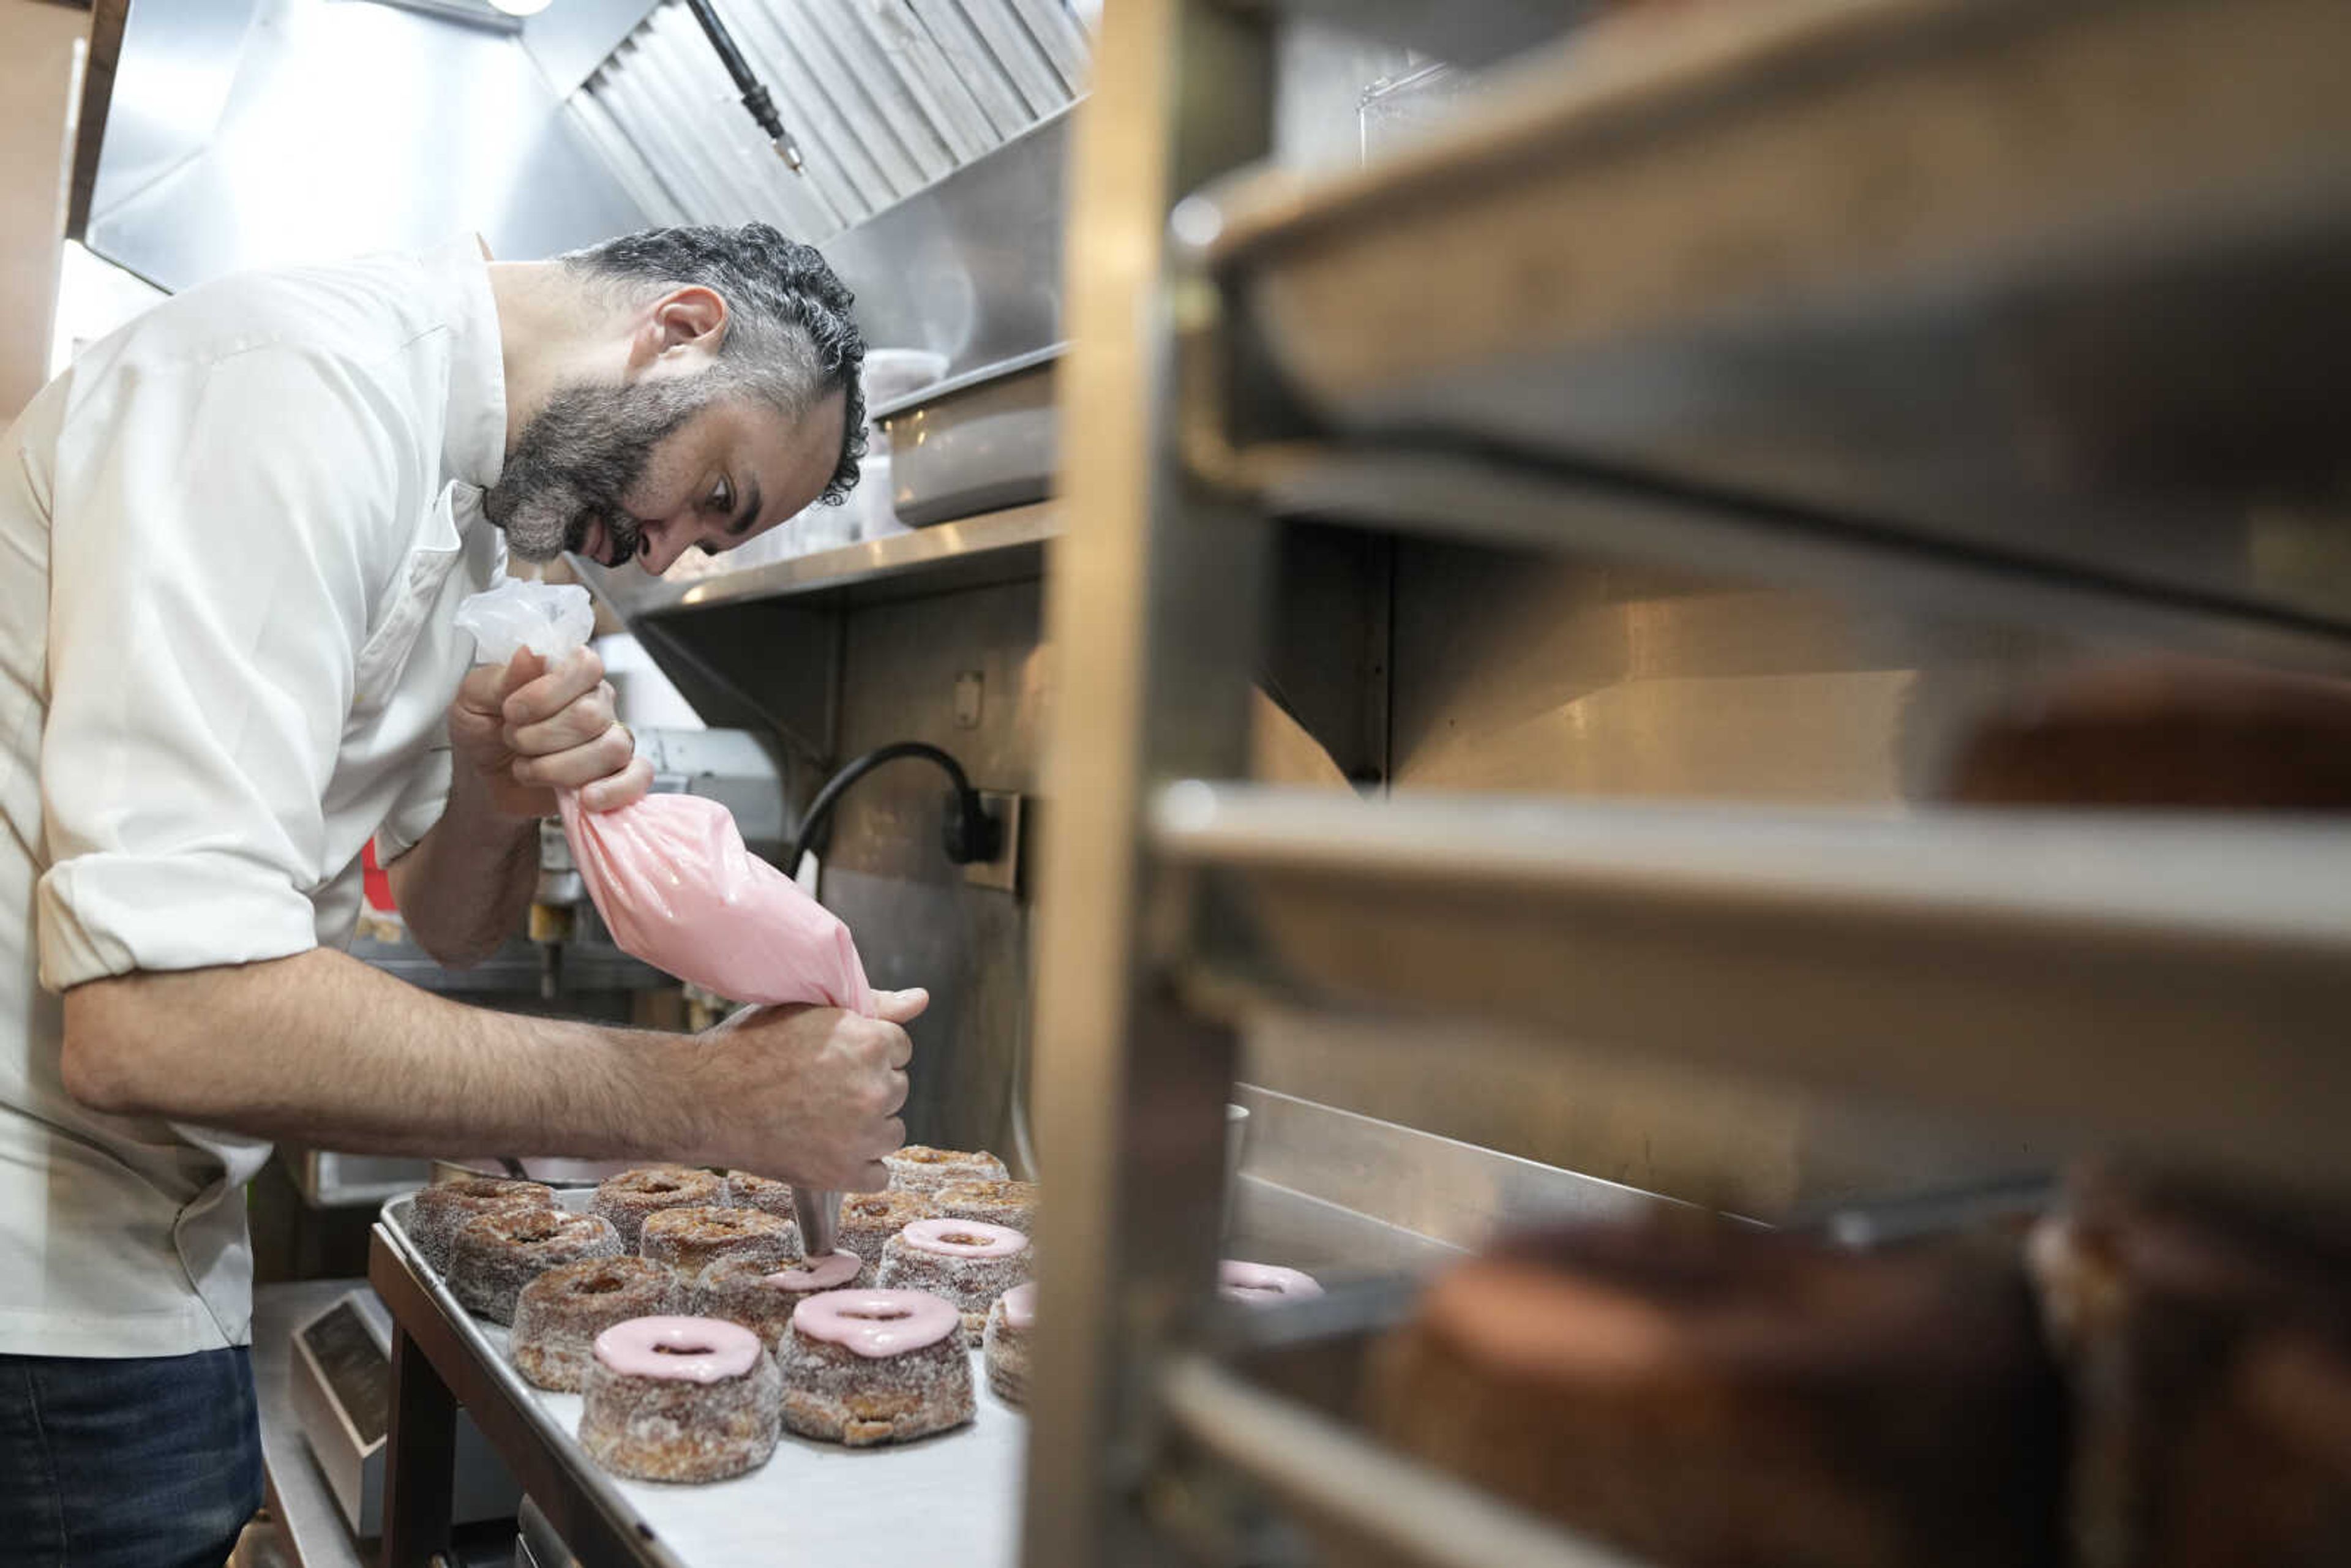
953, 1498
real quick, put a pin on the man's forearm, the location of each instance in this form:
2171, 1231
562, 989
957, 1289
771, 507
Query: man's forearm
464, 886
321, 1048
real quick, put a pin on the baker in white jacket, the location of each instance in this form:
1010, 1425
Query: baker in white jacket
231, 538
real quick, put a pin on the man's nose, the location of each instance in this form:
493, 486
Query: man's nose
658, 548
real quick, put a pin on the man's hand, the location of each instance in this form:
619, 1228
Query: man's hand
532, 728
810, 1094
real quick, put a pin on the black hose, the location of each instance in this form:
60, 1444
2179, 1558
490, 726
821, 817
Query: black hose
746, 81
972, 835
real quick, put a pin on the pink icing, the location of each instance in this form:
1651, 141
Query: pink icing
1020, 1306
876, 1324
678, 1350
828, 1273
1263, 1284
948, 1239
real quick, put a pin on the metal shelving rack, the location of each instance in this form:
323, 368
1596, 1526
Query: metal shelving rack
1697, 268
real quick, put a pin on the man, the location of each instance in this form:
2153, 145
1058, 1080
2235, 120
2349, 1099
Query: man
231, 538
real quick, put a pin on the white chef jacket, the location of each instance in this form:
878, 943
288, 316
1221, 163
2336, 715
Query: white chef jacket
231, 538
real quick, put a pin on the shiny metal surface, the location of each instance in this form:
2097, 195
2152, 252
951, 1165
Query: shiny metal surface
884, 98
1523, 672
974, 551
1612, 519
569, 41
2028, 964
1738, 1141
328, 1180
732, 767
1956, 271
296, 131
970, 266
918, 920
818, 1216
1450, 1192
592, 968
1364, 1504
979, 448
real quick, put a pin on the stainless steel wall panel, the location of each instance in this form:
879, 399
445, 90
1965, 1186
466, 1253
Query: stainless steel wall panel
301, 130
883, 98
638, 178
1062, 39
743, 163
917, 920
1517, 671
690, 118
840, 128
935, 83
974, 65
1018, 56
971, 266
635, 109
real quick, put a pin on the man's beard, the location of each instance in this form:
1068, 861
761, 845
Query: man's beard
579, 455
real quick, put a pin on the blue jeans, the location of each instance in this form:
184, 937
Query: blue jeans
148, 1462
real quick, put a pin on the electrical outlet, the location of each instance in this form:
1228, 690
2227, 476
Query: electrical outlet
1004, 871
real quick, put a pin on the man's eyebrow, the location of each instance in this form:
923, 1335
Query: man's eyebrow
749, 514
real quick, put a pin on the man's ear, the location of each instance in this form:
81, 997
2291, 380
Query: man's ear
689, 320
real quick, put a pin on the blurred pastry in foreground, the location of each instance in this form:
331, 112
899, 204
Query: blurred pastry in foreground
2207, 1338
1702, 1396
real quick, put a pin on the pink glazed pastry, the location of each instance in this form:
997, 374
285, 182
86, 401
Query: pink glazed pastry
680, 1399
1263, 1285
760, 1296
863, 1367
968, 1261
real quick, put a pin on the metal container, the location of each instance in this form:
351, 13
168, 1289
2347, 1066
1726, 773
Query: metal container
977, 442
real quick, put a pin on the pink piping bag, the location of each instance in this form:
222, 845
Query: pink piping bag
672, 878
670, 874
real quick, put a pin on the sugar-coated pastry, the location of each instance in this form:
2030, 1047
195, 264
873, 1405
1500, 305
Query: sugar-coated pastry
558, 1315
918, 1167
862, 1367
497, 1254
967, 1262
765, 1194
691, 1240
437, 1212
868, 1220
627, 1198
1012, 1203
679, 1400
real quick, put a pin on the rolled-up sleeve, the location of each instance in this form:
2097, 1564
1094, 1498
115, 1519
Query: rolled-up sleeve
208, 593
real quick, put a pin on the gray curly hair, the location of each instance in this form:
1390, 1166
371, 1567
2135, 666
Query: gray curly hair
790, 339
